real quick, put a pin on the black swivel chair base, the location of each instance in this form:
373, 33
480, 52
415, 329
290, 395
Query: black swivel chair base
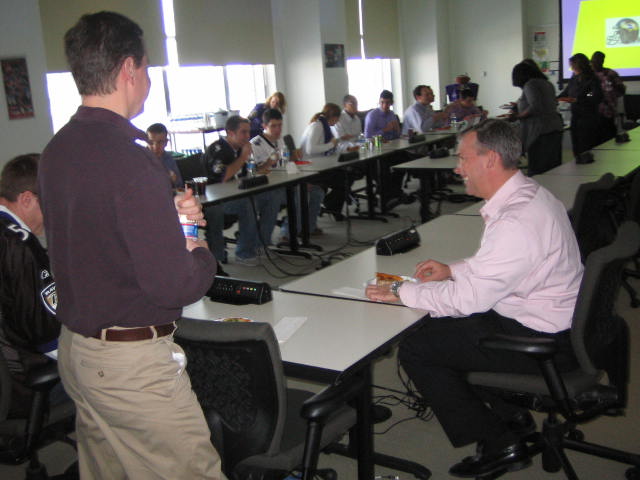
418, 471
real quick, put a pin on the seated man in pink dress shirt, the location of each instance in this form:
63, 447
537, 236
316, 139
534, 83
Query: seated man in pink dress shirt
523, 281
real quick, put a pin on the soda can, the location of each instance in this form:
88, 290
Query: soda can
189, 227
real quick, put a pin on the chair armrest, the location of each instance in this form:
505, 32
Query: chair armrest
43, 378
536, 347
327, 401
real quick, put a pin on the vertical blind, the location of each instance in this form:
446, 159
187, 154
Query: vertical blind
59, 16
224, 31
380, 28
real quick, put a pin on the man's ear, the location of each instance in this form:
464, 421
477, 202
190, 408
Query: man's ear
128, 69
492, 159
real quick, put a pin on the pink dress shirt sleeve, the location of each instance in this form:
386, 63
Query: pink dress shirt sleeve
480, 282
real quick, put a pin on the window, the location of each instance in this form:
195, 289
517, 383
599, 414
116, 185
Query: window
248, 85
368, 77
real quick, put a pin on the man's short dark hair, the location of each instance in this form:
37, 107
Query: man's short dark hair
19, 175
418, 90
467, 93
271, 114
499, 136
387, 95
97, 45
158, 129
348, 98
234, 122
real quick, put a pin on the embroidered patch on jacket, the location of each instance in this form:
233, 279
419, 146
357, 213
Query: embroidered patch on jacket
50, 298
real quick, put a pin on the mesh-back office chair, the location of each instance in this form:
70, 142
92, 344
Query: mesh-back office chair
632, 212
259, 427
544, 153
601, 345
591, 215
20, 438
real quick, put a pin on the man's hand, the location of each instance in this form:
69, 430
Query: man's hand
191, 244
187, 204
392, 126
245, 151
264, 167
380, 294
432, 271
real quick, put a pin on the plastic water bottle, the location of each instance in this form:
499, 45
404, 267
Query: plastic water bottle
453, 121
251, 166
286, 155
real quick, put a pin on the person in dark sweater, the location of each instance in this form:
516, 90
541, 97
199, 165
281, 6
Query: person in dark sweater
124, 270
28, 299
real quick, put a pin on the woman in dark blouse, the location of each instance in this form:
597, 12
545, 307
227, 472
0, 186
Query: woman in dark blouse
584, 94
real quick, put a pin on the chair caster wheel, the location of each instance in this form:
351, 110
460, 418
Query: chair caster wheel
576, 435
632, 473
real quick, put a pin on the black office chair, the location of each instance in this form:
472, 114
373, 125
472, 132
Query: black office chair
632, 212
601, 345
544, 153
260, 428
22, 437
592, 215
192, 166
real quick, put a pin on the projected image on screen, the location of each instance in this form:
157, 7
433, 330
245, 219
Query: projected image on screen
622, 32
609, 26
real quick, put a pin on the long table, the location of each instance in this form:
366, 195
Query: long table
618, 162
446, 239
425, 168
563, 187
338, 340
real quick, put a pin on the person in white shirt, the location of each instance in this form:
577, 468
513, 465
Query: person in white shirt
349, 126
420, 116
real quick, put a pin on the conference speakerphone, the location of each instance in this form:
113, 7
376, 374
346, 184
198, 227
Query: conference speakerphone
398, 242
347, 156
239, 292
250, 182
416, 138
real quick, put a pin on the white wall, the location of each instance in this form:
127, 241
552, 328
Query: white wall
333, 29
299, 67
420, 47
486, 41
21, 36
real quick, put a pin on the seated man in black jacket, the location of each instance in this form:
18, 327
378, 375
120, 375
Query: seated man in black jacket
28, 325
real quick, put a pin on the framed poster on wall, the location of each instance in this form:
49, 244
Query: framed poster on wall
16, 88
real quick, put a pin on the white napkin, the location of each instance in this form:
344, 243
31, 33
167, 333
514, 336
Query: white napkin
287, 326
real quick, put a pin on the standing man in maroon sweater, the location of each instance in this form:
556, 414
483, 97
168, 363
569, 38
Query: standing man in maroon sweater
124, 270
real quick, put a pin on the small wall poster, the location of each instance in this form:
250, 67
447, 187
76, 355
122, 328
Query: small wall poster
17, 88
333, 55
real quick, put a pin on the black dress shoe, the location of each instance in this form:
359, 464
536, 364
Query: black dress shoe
522, 424
511, 458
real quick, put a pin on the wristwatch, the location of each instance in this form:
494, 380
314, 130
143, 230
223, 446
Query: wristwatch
394, 287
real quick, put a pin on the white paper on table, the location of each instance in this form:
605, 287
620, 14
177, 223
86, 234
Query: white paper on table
287, 326
349, 292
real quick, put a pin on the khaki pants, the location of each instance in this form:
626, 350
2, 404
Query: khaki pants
137, 416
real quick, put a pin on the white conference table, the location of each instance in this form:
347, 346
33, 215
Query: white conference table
618, 162
563, 187
424, 168
446, 239
352, 330
337, 341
